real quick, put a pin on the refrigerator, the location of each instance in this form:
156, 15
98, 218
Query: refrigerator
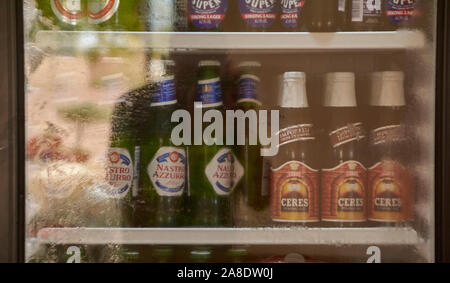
69, 80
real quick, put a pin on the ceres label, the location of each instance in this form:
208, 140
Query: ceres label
207, 14
100, 11
391, 192
209, 93
248, 89
68, 11
344, 193
294, 193
120, 171
224, 172
258, 13
167, 171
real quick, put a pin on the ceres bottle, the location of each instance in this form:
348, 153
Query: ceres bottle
344, 176
294, 189
391, 186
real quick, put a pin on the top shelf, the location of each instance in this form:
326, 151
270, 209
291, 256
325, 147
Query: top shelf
397, 40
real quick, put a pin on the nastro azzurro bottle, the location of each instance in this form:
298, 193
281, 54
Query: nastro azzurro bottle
164, 165
213, 170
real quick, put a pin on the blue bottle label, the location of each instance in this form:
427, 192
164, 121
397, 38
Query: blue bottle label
400, 11
209, 92
167, 171
290, 13
207, 14
248, 89
258, 13
166, 93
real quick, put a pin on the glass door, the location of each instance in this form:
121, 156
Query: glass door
199, 131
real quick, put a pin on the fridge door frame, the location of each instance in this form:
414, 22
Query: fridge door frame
11, 133
12, 122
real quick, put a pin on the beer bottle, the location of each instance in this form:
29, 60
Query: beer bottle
200, 255
343, 15
164, 165
162, 254
166, 15
391, 186
130, 256
291, 15
321, 15
258, 15
404, 13
237, 254
66, 15
249, 192
123, 159
367, 15
113, 15
344, 175
294, 189
214, 170
206, 15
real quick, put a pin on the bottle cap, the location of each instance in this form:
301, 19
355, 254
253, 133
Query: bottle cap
387, 89
205, 63
293, 90
340, 90
249, 64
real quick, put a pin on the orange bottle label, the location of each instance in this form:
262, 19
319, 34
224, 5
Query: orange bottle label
344, 193
391, 193
294, 193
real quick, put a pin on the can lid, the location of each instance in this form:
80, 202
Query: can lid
340, 90
205, 63
249, 64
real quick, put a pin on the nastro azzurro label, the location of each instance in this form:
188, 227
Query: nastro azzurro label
167, 171
224, 172
119, 171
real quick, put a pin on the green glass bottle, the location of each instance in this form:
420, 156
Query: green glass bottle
164, 165
113, 15
237, 254
162, 254
63, 14
213, 168
200, 255
128, 123
130, 256
250, 197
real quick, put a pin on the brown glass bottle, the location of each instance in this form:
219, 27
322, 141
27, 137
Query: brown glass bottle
321, 15
390, 184
294, 189
344, 177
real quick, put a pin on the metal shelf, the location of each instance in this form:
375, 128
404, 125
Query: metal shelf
397, 40
231, 236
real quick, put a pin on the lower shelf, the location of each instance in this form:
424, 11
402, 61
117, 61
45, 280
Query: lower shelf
230, 236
